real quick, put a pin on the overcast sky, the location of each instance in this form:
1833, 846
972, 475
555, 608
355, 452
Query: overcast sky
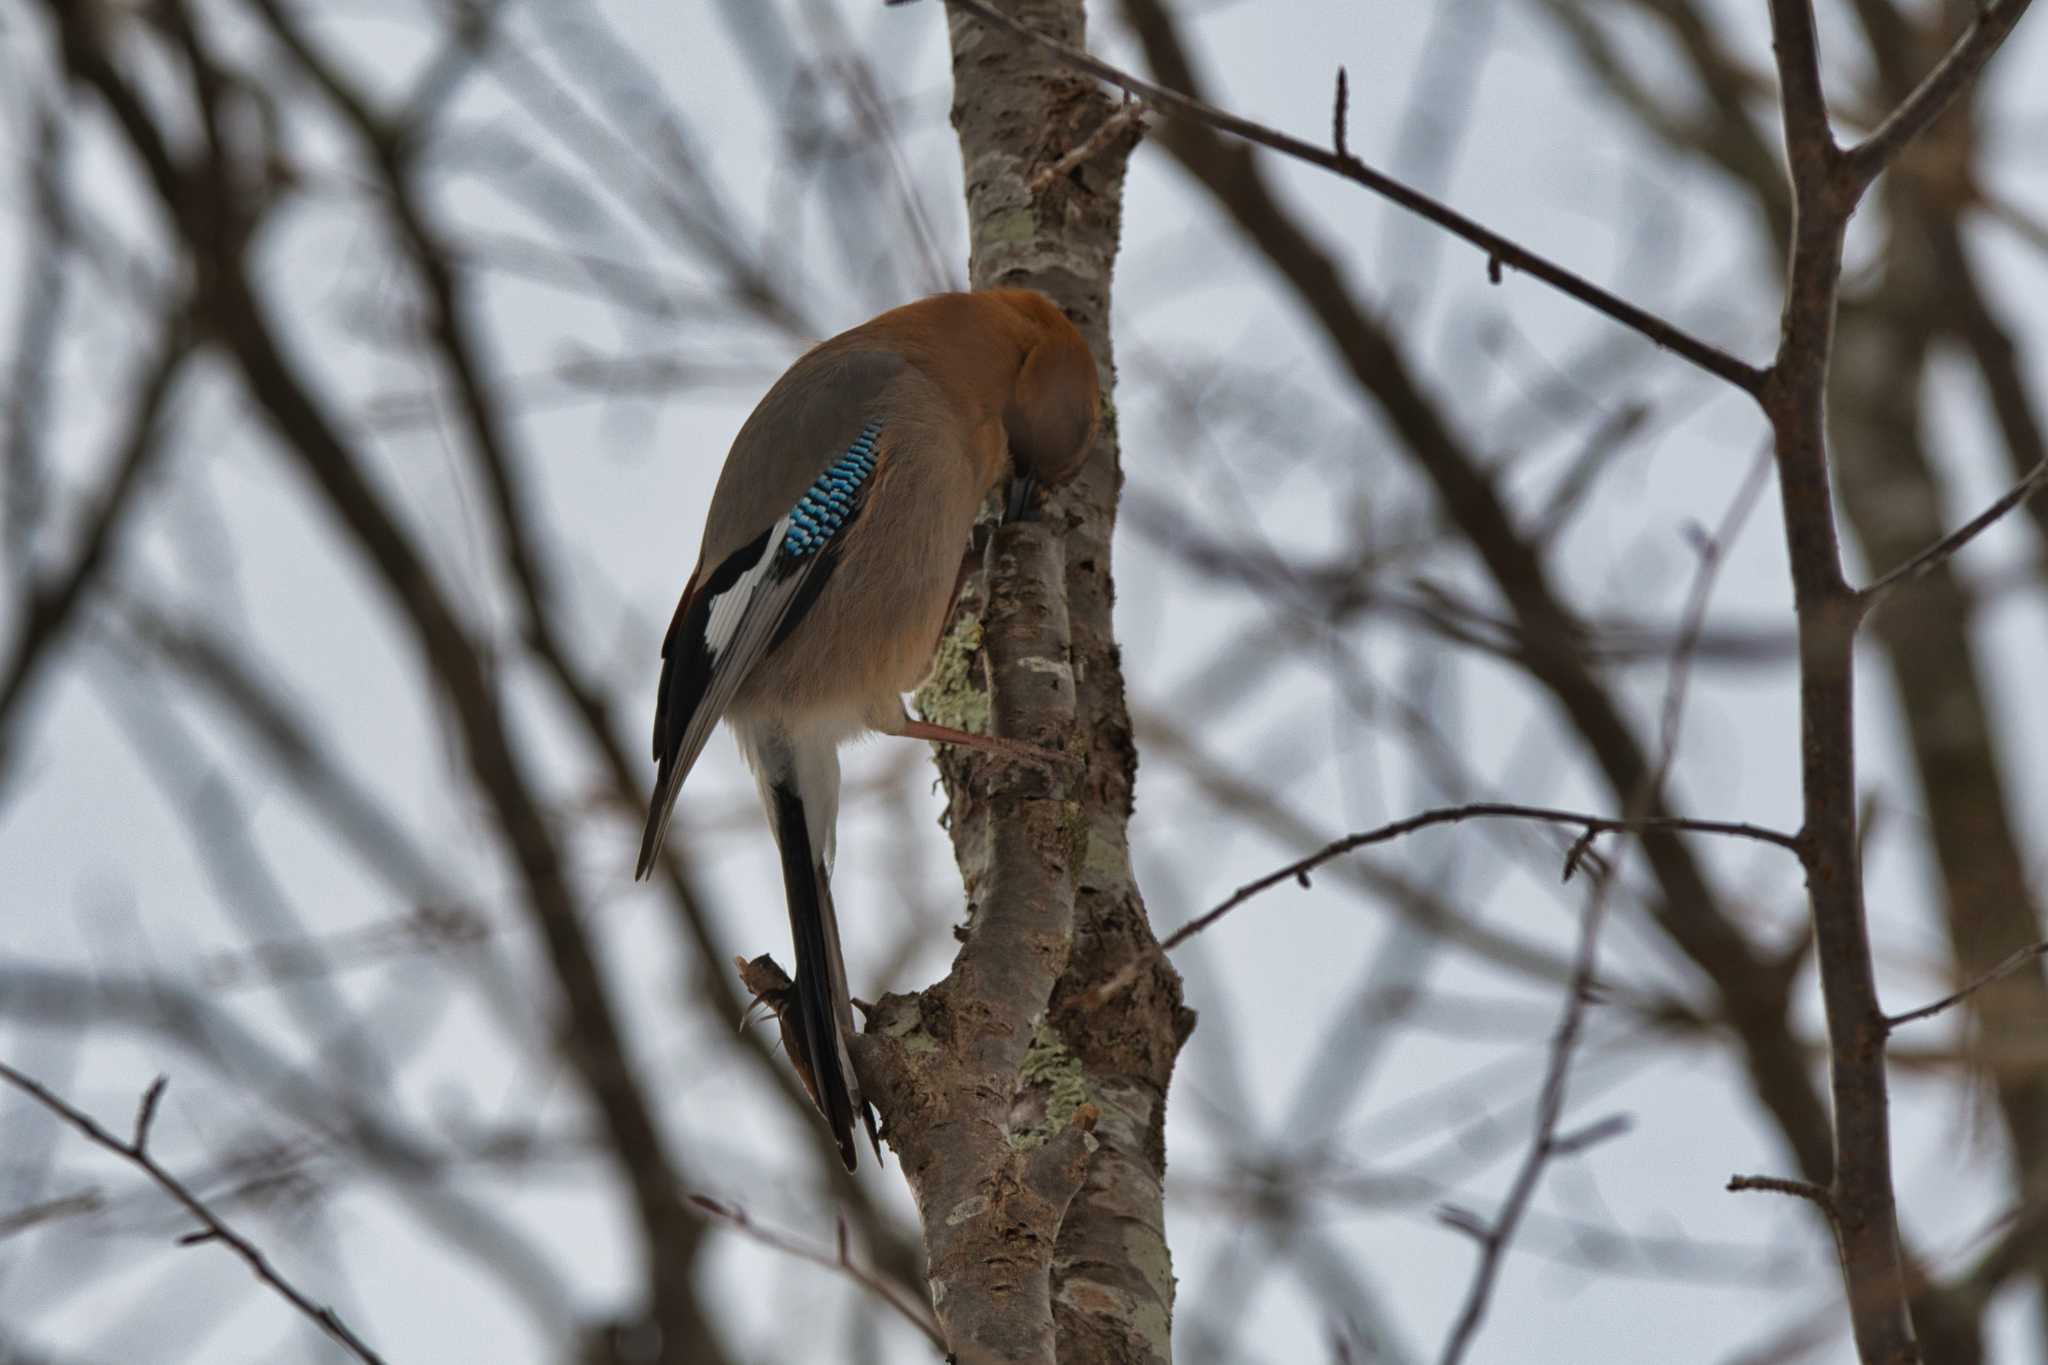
96, 870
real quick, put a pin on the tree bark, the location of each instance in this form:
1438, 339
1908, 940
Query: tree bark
1029, 1116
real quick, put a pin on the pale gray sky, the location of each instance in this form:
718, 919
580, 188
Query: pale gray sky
97, 874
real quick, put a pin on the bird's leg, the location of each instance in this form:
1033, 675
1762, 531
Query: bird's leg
1014, 749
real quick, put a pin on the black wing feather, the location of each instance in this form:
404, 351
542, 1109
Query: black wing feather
698, 681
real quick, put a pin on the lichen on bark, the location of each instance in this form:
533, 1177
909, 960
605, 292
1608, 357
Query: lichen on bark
1059, 1086
950, 695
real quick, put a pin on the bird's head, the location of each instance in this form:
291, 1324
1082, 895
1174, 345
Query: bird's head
1055, 401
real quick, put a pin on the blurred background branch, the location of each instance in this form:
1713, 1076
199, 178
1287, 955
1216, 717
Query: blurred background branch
365, 368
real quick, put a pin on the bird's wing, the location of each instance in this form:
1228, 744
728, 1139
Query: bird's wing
744, 607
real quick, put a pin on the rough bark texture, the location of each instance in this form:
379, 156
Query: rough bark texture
1030, 1120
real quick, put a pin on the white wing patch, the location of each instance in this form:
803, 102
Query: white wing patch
729, 608
742, 622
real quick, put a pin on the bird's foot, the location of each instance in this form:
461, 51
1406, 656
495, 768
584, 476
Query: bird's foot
1016, 750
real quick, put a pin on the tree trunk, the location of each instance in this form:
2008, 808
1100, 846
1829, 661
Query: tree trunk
1028, 1115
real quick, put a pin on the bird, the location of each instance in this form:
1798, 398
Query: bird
831, 560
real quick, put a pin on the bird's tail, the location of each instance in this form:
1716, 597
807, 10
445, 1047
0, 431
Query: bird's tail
823, 1005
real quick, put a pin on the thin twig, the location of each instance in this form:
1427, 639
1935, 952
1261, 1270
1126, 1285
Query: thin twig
1500, 251
1820, 1195
1713, 550
54, 599
839, 1259
50, 234
49, 1211
1299, 869
1548, 1144
1131, 112
1585, 1139
2014, 960
1340, 115
1941, 551
1494, 1237
1693, 624
212, 1229
1863, 162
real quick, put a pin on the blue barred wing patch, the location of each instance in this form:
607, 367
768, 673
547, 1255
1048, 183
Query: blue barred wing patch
826, 504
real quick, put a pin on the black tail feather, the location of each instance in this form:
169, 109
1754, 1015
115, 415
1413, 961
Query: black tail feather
823, 1010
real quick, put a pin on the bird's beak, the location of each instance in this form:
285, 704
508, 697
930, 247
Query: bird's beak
1019, 507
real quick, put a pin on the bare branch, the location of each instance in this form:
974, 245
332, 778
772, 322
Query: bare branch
1819, 1195
1547, 1144
145, 1112
1863, 162
1939, 553
1806, 108
1494, 1236
1794, 399
213, 1229
165, 1010
2012, 963
54, 599
49, 1211
1689, 911
1592, 1135
592, 1035
1299, 869
1340, 113
1713, 549
839, 1259
1500, 251
1130, 116
460, 342
24, 423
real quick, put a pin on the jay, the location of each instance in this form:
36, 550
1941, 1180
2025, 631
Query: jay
830, 563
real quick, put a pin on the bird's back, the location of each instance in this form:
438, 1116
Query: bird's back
806, 421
